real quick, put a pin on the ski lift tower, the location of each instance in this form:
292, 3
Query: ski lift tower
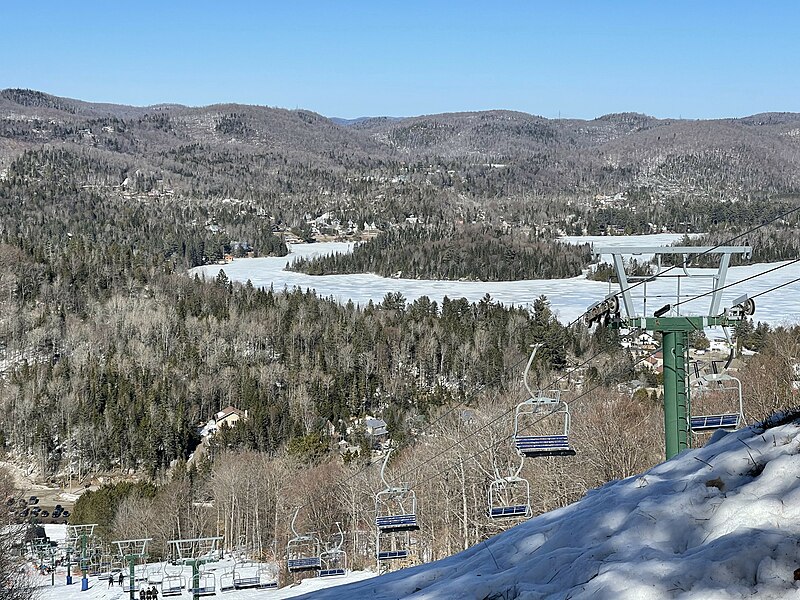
196, 552
81, 534
668, 321
131, 551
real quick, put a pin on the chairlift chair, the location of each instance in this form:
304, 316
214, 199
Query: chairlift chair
245, 575
395, 546
302, 550
155, 576
544, 406
173, 582
206, 585
395, 519
333, 562
106, 567
395, 506
726, 385
510, 496
227, 581
250, 575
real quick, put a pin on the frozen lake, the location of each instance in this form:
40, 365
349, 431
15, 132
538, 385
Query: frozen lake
569, 298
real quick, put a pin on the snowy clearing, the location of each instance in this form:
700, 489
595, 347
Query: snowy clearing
569, 298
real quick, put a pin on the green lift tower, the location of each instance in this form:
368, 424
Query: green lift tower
668, 320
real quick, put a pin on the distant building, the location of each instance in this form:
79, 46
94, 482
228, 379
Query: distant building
229, 416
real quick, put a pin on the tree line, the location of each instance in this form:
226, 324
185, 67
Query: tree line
466, 252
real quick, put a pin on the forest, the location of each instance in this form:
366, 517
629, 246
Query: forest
455, 252
112, 357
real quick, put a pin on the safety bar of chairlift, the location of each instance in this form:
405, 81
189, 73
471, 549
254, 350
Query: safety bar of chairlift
709, 422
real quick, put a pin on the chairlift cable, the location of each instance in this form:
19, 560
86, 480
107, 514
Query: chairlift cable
452, 409
492, 422
505, 438
777, 287
749, 278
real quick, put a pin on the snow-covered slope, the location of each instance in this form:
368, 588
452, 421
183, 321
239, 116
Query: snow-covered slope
715, 523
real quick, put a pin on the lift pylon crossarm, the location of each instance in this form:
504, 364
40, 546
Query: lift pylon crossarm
725, 253
675, 330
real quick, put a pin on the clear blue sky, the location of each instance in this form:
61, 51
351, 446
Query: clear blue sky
697, 59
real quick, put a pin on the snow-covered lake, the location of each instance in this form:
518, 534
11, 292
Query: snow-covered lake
569, 298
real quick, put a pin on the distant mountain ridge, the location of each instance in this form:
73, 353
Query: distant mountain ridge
755, 154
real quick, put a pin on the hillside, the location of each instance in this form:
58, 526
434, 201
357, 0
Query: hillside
754, 154
717, 522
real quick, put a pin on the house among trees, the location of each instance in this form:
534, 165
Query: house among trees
655, 362
230, 415
376, 431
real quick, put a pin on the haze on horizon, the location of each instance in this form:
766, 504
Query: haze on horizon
576, 60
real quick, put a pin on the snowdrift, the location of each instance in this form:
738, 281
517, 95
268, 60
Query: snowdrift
718, 522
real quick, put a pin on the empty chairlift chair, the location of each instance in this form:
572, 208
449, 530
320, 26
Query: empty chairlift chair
173, 582
509, 497
542, 410
155, 575
333, 562
245, 575
206, 584
395, 519
712, 391
302, 550
226, 580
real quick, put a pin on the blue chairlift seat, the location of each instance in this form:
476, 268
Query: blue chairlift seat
268, 585
709, 422
392, 554
499, 512
330, 572
243, 583
304, 564
203, 590
397, 522
171, 588
543, 445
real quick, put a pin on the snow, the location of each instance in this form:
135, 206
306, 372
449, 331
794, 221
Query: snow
720, 522
569, 298
100, 589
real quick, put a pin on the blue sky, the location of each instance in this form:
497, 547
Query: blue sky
352, 58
